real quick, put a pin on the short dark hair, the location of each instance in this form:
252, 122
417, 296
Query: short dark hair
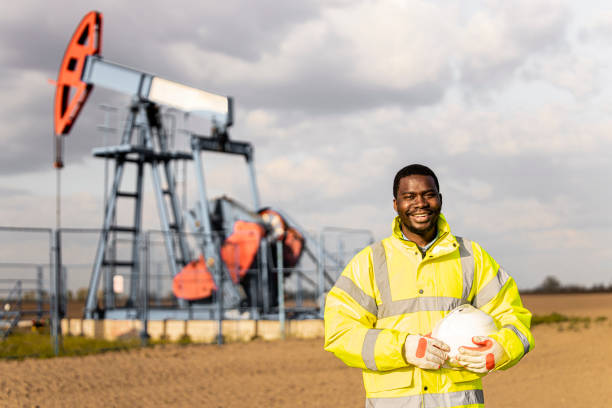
409, 171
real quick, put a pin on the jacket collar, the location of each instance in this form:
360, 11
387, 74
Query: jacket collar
444, 244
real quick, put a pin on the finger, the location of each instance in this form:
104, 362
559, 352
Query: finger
456, 362
476, 370
477, 348
474, 364
469, 359
434, 359
468, 351
434, 350
440, 344
452, 362
485, 342
429, 365
475, 367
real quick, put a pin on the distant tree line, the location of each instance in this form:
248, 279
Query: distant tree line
552, 285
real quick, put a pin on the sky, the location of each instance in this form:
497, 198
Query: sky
508, 102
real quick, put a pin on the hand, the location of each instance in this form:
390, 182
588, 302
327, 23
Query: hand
425, 352
484, 358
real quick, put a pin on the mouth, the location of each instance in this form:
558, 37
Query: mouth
421, 216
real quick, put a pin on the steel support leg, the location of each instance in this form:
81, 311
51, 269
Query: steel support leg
39, 292
91, 302
253, 182
135, 275
265, 275
163, 218
176, 214
281, 288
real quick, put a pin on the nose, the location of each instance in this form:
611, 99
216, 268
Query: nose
420, 201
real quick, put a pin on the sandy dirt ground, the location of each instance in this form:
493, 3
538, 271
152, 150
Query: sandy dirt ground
570, 367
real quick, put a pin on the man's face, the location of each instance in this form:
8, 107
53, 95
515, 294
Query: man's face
418, 204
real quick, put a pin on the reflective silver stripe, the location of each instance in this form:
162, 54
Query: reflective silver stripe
442, 400
491, 289
379, 262
390, 308
467, 266
454, 399
412, 401
367, 350
420, 304
357, 294
521, 337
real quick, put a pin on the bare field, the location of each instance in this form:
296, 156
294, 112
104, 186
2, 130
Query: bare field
571, 367
578, 304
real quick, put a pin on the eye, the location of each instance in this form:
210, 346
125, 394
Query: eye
430, 195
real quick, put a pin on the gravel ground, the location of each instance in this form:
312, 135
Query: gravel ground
570, 367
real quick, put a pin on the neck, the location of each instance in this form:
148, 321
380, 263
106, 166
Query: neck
420, 238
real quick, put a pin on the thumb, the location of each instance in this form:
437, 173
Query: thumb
480, 340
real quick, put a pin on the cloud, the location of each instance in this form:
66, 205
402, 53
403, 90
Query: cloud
499, 39
316, 59
598, 29
498, 98
578, 75
382, 54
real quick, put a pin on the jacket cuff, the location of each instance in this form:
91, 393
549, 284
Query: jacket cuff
389, 350
514, 343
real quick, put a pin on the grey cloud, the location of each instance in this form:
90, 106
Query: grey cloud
318, 111
33, 32
33, 38
535, 29
233, 28
315, 94
28, 132
599, 29
7, 192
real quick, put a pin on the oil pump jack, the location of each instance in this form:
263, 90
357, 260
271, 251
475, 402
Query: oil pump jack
232, 239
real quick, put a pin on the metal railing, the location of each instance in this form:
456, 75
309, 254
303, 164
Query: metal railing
268, 290
11, 310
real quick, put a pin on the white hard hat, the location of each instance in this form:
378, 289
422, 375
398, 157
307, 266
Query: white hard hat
460, 325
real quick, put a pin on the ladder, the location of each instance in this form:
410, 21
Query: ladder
150, 148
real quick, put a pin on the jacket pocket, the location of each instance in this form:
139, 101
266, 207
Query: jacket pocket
377, 381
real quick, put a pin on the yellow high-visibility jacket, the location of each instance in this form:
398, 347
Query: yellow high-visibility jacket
390, 290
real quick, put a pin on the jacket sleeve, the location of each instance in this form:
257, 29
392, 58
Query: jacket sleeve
497, 294
350, 321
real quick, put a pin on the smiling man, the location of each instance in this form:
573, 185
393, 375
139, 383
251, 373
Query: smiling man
383, 307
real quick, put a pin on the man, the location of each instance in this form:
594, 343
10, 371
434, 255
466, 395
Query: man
382, 309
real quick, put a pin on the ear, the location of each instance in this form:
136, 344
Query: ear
440, 200
395, 205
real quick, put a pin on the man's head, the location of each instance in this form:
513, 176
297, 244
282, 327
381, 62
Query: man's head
417, 201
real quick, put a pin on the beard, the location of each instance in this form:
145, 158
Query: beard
421, 229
